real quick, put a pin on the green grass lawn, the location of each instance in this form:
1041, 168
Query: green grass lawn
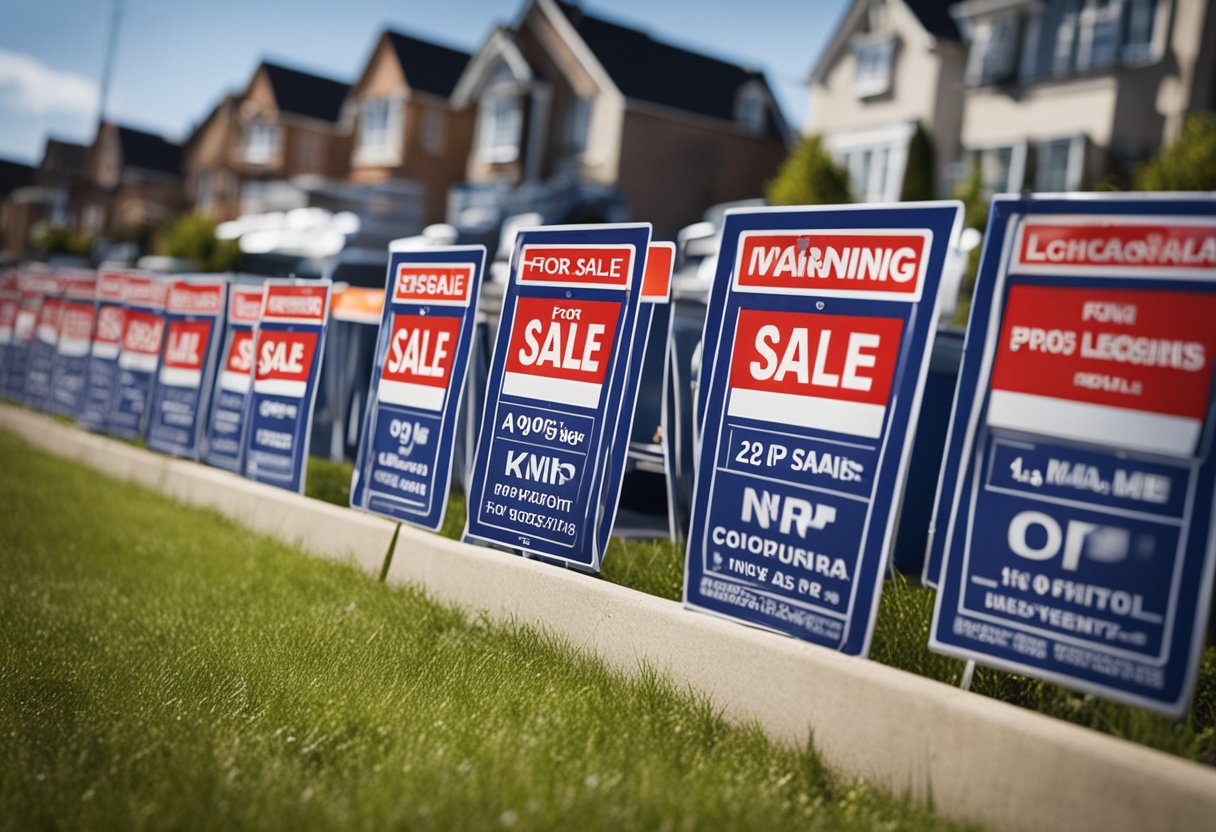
165, 668
901, 639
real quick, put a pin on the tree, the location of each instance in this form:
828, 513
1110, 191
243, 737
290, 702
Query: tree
809, 177
918, 174
1187, 164
193, 237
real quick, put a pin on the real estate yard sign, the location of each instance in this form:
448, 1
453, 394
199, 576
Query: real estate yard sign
143, 329
10, 300
404, 464
1076, 514
556, 391
101, 380
40, 357
194, 317
821, 345
228, 416
287, 361
75, 341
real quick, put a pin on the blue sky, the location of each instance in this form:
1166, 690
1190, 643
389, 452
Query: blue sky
175, 59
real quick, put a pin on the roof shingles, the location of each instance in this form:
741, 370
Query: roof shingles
305, 94
428, 67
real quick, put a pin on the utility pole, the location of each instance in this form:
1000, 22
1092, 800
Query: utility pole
108, 66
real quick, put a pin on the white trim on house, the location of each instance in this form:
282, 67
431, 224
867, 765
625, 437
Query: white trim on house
888, 144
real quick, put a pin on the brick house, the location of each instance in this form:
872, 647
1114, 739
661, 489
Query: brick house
132, 183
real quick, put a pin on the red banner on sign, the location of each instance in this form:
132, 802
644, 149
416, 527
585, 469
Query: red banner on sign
421, 349
186, 343
606, 266
304, 303
285, 356
854, 262
1152, 246
433, 283
565, 339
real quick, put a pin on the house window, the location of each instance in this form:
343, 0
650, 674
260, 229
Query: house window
1057, 165
309, 153
749, 109
994, 51
261, 142
204, 192
868, 169
499, 121
873, 76
1098, 35
380, 123
574, 126
432, 131
1138, 36
996, 169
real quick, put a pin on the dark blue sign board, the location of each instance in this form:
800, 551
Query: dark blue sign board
71, 369
40, 357
557, 391
10, 301
289, 343
815, 367
143, 330
101, 377
1074, 527
194, 319
403, 468
228, 415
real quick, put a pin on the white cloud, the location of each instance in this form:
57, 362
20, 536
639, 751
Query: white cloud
29, 86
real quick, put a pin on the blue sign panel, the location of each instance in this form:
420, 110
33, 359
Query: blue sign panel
404, 465
40, 357
288, 347
556, 391
101, 379
75, 342
143, 329
225, 434
1074, 526
10, 301
821, 344
194, 316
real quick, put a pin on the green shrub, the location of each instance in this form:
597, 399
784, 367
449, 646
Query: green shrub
809, 177
1186, 164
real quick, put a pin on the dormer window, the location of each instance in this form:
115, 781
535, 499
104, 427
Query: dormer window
379, 136
750, 109
500, 119
261, 141
874, 60
994, 50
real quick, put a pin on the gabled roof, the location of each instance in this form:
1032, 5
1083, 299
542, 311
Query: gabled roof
14, 175
305, 94
649, 70
428, 67
934, 15
65, 157
148, 151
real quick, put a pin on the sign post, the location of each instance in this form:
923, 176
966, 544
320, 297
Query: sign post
403, 469
75, 340
288, 347
1075, 520
143, 329
194, 315
556, 391
820, 350
228, 416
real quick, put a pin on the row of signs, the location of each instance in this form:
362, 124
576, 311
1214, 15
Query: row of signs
1072, 535
200, 367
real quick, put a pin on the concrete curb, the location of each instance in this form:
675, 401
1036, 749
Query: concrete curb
974, 758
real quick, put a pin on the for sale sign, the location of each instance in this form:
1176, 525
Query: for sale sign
40, 357
286, 363
194, 315
556, 391
101, 381
10, 300
228, 417
1076, 510
143, 329
403, 469
75, 342
818, 358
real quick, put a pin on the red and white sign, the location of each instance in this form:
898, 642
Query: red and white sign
237, 372
606, 267
1129, 368
109, 286
244, 305
656, 277
142, 332
47, 327
873, 263
80, 290
185, 349
9, 301
560, 350
433, 283
827, 372
107, 335
418, 366
75, 329
196, 298
283, 361
144, 290
295, 303
1116, 246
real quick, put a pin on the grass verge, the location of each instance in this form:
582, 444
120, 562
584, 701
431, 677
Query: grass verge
165, 668
901, 639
